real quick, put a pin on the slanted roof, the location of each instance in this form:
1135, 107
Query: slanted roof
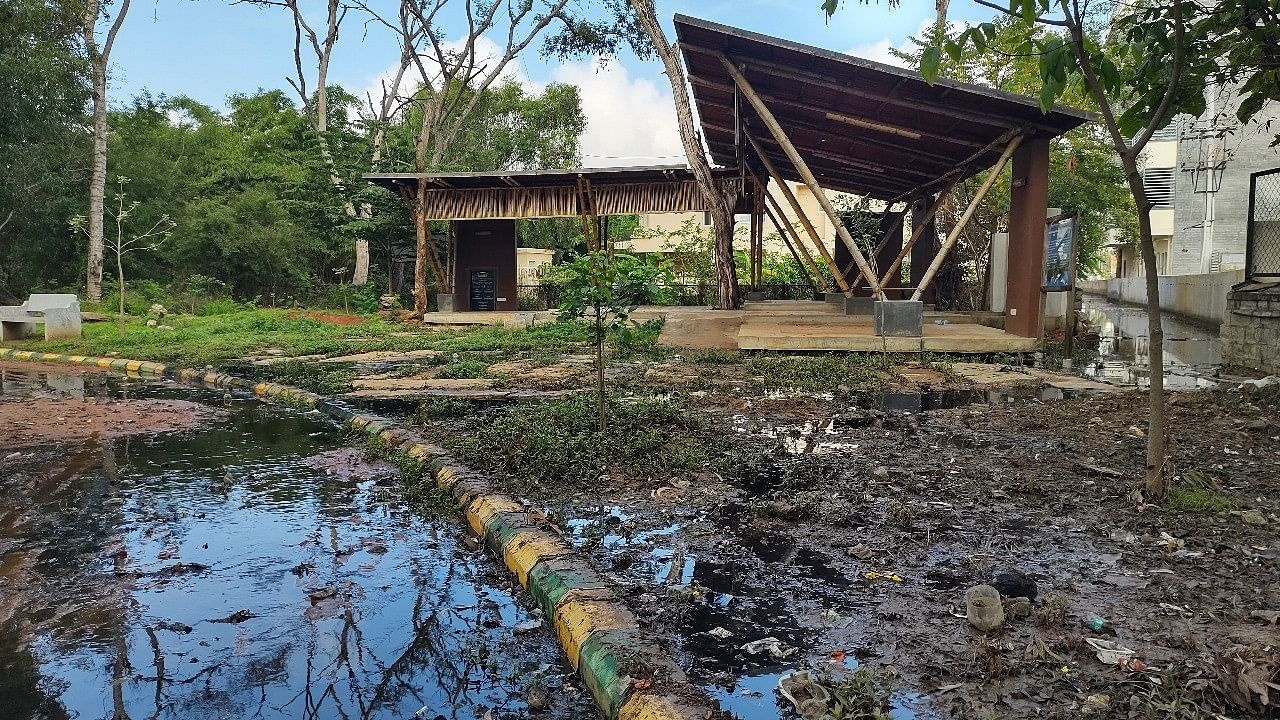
862, 126
558, 193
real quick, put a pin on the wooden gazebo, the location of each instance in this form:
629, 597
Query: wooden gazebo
775, 111
784, 111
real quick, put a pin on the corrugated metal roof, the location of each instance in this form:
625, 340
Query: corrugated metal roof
861, 126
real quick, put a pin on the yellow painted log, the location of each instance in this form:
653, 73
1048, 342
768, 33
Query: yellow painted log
529, 549
485, 507
576, 619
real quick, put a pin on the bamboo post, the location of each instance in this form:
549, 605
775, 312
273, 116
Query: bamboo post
800, 215
801, 167
814, 274
920, 227
964, 219
826, 256
896, 227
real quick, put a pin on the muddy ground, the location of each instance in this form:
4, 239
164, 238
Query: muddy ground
858, 535
864, 499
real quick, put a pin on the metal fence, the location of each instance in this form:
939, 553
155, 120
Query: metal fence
1262, 248
547, 297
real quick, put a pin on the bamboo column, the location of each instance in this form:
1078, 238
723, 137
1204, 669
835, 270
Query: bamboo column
915, 234
801, 167
814, 274
964, 219
826, 256
800, 215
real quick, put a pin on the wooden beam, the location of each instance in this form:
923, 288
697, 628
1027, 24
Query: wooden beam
911, 153
846, 88
963, 166
895, 227
829, 261
964, 219
869, 124
878, 127
801, 167
800, 214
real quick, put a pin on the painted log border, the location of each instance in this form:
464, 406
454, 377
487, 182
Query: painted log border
626, 669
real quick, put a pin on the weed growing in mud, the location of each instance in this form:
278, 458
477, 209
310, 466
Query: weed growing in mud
861, 695
1168, 700
941, 364
1052, 611
556, 447
714, 357
419, 486
899, 513
640, 341
443, 407
818, 372
319, 378
464, 368
1198, 492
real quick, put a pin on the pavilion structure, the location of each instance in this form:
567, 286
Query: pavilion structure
773, 110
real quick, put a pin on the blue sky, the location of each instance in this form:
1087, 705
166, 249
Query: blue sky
211, 49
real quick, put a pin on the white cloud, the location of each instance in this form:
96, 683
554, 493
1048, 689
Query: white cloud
630, 121
882, 50
487, 54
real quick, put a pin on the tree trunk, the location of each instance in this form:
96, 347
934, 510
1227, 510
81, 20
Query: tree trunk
604, 414
721, 208
97, 182
120, 280
99, 62
421, 234
1155, 480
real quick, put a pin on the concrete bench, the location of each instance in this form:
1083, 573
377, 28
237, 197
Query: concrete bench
59, 313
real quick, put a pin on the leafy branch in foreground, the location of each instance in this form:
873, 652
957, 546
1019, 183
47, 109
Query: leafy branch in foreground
604, 289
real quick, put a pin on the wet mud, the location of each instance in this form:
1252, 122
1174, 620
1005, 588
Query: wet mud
854, 537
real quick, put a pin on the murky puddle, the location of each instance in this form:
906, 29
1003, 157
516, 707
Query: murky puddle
252, 567
1192, 353
727, 604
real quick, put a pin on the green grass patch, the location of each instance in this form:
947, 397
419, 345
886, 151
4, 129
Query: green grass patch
1198, 492
827, 371
640, 341
196, 341
325, 379
464, 368
556, 448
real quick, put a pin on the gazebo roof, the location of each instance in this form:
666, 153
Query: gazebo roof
862, 126
559, 193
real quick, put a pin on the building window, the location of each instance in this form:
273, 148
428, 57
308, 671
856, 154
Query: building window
706, 218
1159, 185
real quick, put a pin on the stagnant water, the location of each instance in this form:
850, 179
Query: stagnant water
223, 572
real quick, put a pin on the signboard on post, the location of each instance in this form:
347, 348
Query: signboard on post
1060, 253
1060, 271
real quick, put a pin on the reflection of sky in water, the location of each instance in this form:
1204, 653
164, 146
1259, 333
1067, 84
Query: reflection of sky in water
416, 621
1192, 353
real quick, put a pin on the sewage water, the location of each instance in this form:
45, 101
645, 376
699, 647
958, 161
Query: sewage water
224, 572
1192, 353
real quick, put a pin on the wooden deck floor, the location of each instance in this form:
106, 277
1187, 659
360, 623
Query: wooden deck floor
802, 325
789, 325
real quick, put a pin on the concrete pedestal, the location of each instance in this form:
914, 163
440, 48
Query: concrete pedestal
859, 306
899, 318
444, 302
755, 296
835, 298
